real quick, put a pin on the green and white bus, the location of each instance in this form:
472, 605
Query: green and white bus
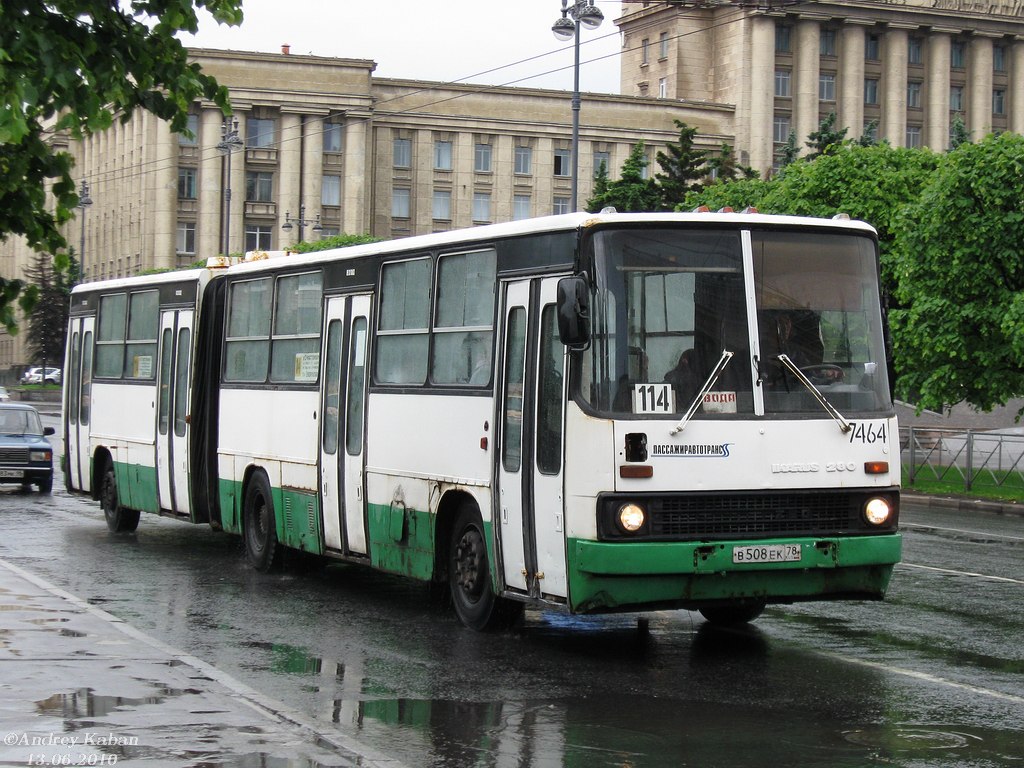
594, 412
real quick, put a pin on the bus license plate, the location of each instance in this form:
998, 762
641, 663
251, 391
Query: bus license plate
767, 553
12, 473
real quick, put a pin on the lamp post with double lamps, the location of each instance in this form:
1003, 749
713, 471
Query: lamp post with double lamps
301, 222
229, 143
582, 13
84, 201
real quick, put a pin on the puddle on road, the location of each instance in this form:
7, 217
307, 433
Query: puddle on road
909, 739
85, 702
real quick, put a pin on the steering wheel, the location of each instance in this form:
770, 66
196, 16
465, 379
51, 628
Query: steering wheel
824, 374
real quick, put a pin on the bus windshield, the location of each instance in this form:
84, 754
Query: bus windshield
669, 303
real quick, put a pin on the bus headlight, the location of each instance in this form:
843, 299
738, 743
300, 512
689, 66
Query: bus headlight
877, 511
631, 517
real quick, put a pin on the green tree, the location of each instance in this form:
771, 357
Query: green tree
71, 67
962, 273
682, 167
335, 241
600, 189
826, 139
48, 321
958, 133
789, 152
739, 195
631, 191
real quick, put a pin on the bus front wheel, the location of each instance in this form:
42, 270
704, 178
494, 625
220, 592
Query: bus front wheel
260, 525
119, 519
469, 577
733, 615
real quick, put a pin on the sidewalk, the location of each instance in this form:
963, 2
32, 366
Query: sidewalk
962, 504
78, 686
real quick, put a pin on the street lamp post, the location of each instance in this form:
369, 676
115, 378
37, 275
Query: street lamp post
84, 201
582, 13
300, 222
229, 143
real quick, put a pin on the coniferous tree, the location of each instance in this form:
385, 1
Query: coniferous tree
958, 133
47, 323
631, 191
682, 167
600, 189
826, 138
789, 152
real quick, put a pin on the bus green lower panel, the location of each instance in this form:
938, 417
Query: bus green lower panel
401, 540
136, 487
623, 576
297, 515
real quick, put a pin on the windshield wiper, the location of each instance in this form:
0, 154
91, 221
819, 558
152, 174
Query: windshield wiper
722, 362
831, 410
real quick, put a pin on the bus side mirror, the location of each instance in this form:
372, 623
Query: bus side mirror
574, 312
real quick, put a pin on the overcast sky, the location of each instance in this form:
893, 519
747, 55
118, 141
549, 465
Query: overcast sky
478, 41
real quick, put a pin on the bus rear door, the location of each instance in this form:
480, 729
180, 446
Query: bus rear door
78, 391
172, 412
530, 488
343, 401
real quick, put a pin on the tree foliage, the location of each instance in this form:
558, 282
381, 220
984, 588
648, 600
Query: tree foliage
73, 67
335, 241
48, 321
631, 191
682, 167
827, 138
961, 270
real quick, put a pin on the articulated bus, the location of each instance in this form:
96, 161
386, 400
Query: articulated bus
594, 412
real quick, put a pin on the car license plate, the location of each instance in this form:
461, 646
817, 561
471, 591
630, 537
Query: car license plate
12, 473
766, 553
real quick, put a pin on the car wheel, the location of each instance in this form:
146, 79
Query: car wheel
46, 486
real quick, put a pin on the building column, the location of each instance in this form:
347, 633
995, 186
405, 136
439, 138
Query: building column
806, 71
357, 184
312, 169
851, 78
979, 115
1015, 91
894, 86
210, 216
937, 96
165, 199
289, 164
762, 95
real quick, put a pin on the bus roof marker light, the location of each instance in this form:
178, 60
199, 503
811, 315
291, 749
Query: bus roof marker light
701, 209
218, 262
841, 217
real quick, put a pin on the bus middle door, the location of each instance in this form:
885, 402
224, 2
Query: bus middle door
78, 394
530, 497
172, 412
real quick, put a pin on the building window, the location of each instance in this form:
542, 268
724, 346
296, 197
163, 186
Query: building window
521, 206
915, 50
827, 42
663, 88
523, 160
187, 183
259, 132
783, 83
956, 98
259, 186
560, 205
783, 38
780, 129
870, 91
482, 158
330, 190
332, 137
998, 102
442, 155
914, 94
645, 47
443, 204
186, 240
401, 153
193, 128
602, 158
482, 206
663, 45
258, 237
999, 58
399, 203
958, 54
827, 86
562, 158
913, 136
872, 47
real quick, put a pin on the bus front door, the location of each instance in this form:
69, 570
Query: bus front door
530, 496
77, 406
343, 400
172, 425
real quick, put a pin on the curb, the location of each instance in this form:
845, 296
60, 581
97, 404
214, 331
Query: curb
965, 505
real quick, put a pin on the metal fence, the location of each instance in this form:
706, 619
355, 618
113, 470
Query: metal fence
991, 458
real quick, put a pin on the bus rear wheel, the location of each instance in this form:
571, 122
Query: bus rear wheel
119, 519
260, 525
733, 615
469, 578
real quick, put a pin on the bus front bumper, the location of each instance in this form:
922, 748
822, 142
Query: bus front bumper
610, 576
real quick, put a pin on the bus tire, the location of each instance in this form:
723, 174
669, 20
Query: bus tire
260, 525
733, 615
119, 519
469, 577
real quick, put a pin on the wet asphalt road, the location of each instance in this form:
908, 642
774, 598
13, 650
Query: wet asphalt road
934, 676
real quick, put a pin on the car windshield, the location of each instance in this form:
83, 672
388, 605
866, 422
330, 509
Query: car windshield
20, 421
